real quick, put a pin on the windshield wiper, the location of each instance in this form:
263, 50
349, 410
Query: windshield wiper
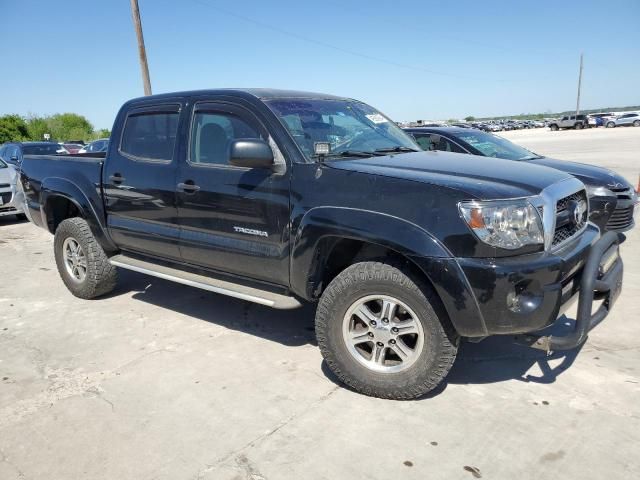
349, 153
395, 149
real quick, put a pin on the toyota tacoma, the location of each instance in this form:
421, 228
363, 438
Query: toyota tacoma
284, 198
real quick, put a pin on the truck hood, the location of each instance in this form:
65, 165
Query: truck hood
484, 178
587, 174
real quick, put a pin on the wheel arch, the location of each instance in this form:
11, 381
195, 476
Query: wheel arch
330, 239
61, 199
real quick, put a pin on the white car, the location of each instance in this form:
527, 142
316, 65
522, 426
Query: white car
96, 146
624, 120
11, 202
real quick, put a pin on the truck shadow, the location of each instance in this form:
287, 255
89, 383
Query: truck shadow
292, 328
12, 220
496, 359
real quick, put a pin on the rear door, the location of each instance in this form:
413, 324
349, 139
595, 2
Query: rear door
233, 219
139, 181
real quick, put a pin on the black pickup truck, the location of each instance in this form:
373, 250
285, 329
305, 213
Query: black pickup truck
282, 197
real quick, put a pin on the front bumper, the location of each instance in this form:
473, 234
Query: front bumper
613, 214
601, 280
525, 293
11, 202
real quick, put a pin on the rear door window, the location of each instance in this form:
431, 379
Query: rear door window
150, 135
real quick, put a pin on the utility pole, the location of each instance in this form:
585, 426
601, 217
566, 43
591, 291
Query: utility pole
579, 86
142, 52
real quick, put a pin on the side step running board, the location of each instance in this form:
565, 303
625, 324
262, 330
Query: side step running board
249, 294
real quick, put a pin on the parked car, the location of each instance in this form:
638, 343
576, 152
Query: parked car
597, 119
13, 152
10, 200
624, 120
72, 148
612, 199
282, 198
577, 122
96, 146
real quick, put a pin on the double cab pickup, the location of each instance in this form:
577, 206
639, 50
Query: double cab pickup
284, 198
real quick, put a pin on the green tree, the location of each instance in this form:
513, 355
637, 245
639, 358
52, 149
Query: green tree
69, 126
37, 127
102, 133
470, 118
13, 128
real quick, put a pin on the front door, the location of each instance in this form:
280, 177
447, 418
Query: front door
233, 219
139, 182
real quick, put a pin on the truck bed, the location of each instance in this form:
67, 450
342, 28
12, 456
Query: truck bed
78, 175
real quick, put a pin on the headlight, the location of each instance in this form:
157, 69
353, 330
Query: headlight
509, 224
599, 191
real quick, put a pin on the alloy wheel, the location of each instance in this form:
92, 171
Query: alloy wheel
383, 334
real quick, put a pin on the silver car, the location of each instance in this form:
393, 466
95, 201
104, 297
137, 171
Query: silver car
10, 196
624, 120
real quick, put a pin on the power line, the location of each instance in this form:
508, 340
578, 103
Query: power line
354, 53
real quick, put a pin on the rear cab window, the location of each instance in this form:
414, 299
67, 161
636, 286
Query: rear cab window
149, 133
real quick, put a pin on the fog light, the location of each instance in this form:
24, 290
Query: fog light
520, 300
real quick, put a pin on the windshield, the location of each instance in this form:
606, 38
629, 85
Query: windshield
348, 125
51, 149
494, 146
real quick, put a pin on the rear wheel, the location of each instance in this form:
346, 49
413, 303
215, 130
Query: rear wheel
579, 126
636, 123
81, 261
553, 127
379, 332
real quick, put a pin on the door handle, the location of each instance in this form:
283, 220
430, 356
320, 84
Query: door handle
116, 179
188, 187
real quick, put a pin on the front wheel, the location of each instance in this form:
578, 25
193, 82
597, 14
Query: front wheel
636, 123
378, 331
579, 126
610, 124
554, 127
81, 261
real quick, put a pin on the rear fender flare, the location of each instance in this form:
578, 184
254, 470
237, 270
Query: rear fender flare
90, 209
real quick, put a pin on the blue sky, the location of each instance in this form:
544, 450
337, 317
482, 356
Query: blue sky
411, 59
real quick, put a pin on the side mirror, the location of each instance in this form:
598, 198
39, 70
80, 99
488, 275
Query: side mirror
250, 153
14, 159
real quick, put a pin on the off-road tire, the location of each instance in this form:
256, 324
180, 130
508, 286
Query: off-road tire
101, 276
579, 126
553, 127
385, 278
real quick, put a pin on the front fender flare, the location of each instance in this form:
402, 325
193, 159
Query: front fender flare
406, 238
376, 228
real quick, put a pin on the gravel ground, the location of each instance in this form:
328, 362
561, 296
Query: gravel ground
163, 381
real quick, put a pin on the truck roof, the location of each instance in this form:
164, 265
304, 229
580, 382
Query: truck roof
260, 93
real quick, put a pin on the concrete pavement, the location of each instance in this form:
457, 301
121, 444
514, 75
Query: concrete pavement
163, 381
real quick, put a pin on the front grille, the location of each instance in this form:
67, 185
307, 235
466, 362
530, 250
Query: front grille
7, 209
6, 197
621, 218
566, 224
4, 185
